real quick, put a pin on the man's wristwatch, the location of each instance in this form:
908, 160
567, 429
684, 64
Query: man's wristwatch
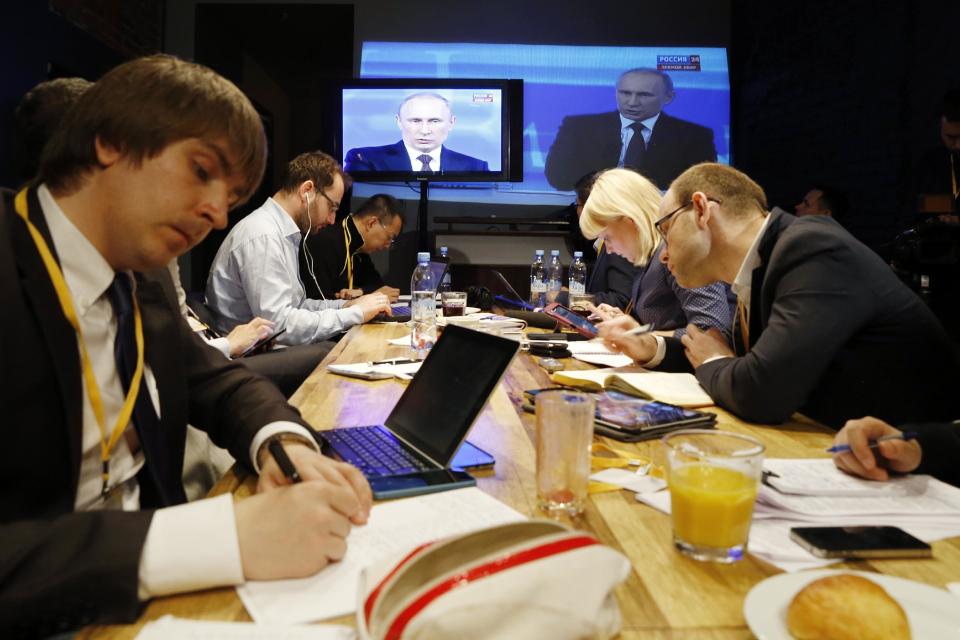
285, 436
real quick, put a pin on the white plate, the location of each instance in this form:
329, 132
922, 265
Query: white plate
932, 612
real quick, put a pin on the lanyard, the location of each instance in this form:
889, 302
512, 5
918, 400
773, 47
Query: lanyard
93, 391
348, 262
953, 177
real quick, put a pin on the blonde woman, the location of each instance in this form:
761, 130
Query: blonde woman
622, 210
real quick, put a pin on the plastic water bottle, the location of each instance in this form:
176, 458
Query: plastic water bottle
423, 312
445, 284
578, 274
538, 281
554, 276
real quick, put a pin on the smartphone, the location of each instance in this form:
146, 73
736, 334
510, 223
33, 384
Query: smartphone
258, 346
419, 483
470, 457
567, 317
860, 542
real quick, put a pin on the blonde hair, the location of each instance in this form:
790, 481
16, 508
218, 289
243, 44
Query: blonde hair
623, 193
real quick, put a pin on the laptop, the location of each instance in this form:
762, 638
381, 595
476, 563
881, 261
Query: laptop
412, 452
401, 311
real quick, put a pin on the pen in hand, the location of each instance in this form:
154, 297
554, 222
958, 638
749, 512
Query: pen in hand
841, 448
642, 329
278, 453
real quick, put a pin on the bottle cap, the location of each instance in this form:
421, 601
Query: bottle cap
555, 252
578, 254
423, 256
443, 249
539, 252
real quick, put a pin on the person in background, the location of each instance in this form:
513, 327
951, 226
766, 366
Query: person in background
621, 210
938, 171
823, 326
102, 374
637, 135
325, 269
823, 200
256, 271
934, 451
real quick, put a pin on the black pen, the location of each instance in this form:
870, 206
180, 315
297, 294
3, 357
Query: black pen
395, 361
276, 450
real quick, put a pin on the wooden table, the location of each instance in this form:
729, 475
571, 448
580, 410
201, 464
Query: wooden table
667, 595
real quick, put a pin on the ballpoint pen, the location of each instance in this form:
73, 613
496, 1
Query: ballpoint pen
286, 465
395, 361
642, 329
908, 435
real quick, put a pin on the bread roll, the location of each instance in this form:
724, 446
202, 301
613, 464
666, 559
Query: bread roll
846, 607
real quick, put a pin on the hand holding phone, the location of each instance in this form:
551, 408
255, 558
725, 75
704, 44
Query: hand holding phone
569, 318
262, 344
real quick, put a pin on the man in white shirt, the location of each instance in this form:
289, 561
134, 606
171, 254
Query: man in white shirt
256, 271
101, 374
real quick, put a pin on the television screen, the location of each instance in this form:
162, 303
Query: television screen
448, 130
571, 104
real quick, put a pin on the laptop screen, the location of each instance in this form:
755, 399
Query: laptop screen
450, 389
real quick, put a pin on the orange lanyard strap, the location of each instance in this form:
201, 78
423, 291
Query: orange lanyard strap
93, 390
953, 177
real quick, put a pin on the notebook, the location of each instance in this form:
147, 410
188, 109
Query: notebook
681, 389
411, 453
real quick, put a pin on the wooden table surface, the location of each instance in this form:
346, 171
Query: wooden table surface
667, 595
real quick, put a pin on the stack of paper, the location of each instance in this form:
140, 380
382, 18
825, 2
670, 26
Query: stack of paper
404, 369
920, 505
595, 352
681, 389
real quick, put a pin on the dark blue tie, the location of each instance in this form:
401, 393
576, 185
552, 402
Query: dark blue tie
164, 489
636, 148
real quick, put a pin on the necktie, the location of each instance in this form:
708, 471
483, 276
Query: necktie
636, 148
145, 418
743, 322
424, 162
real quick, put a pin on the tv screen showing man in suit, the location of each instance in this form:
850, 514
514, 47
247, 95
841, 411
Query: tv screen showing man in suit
428, 121
638, 135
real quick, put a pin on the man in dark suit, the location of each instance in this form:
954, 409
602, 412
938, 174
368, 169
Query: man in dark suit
324, 266
101, 374
823, 325
638, 135
425, 121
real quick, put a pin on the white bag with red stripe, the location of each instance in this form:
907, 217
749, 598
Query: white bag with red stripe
531, 579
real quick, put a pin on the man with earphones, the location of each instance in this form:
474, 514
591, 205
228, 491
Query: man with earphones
256, 272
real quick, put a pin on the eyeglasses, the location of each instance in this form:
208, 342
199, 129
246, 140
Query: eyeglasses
662, 225
333, 204
390, 237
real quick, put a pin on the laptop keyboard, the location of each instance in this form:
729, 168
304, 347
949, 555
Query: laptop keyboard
373, 451
400, 309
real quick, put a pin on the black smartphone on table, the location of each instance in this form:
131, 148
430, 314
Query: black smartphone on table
860, 542
570, 318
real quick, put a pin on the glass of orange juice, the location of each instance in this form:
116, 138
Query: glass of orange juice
713, 478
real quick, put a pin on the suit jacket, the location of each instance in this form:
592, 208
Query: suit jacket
835, 335
394, 157
63, 569
588, 143
612, 279
940, 444
329, 253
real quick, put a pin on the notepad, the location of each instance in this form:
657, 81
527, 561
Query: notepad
681, 389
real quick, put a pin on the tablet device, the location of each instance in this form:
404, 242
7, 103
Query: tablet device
569, 318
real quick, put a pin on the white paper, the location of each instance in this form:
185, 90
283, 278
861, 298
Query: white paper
394, 527
820, 476
770, 530
363, 369
630, 480
170, 627
595, 352
402, 341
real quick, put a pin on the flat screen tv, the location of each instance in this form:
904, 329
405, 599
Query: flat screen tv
560, 84
450, 130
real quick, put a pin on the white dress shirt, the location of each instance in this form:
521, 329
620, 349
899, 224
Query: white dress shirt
415, 157
626, 133
190, 546
256, 273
